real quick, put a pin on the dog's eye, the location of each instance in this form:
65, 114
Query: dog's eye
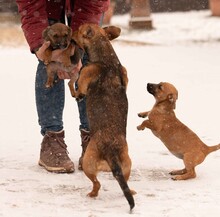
55, 36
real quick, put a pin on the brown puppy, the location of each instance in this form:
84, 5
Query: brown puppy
177, 137
60, 37
104, 82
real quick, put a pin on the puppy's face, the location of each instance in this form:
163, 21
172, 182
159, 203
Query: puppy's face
59, 35
163, 92
89, 33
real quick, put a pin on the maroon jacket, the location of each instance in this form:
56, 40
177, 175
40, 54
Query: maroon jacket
36, 13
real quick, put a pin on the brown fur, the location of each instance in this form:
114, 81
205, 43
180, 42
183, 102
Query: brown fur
60, 37
178, 138
104, 82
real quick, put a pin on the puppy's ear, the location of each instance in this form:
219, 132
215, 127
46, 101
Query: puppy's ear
88, 33
112, 32
45, 34
172, 99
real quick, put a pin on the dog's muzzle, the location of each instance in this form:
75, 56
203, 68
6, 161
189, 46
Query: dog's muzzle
151, 88
59, 46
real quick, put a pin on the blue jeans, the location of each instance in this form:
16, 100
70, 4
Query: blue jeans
50, 103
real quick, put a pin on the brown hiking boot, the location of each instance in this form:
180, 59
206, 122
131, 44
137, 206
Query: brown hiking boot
54, 155
85, 137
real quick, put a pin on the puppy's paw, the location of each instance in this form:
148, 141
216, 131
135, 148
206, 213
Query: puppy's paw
48, 85
140, 127
142, 115
79, 97
67, 63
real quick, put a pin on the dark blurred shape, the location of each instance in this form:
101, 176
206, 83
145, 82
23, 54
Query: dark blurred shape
178, 5
8, 6
122, 6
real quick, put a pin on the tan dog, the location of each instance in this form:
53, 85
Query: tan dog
177, 137
60, 37
104, 82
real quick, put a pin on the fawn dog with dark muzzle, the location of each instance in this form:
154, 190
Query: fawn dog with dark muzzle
177, 137
103, 81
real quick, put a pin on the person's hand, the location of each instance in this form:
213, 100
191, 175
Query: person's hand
57, 57
56, 54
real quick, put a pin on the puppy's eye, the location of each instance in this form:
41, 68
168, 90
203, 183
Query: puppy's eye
55, 36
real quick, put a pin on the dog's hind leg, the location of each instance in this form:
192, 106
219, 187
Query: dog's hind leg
191, 160
90, 168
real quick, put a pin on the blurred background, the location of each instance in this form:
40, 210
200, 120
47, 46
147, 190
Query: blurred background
139, 10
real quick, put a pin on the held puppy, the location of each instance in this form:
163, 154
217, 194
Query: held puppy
104, 82
60, 37
177, 137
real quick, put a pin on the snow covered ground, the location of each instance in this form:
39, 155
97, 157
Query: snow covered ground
184, 50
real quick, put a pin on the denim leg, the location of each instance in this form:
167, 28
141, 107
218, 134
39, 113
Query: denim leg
82, 104
49, 102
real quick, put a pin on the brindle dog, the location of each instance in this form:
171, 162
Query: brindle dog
104, 82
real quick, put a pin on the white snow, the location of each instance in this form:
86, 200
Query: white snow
183, 50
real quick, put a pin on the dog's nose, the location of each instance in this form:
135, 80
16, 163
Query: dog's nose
150, 88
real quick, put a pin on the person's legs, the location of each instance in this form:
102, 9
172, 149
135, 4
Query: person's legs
49, 101
50, 105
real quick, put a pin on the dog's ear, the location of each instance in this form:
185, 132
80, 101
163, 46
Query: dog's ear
45, 33
172, 99
112, 32
88, 33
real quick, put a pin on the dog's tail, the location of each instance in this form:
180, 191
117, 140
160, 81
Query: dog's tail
117, 173
213, 148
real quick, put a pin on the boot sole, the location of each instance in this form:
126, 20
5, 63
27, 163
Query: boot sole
55, 169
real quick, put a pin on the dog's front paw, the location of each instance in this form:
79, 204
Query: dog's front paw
48, 85
142, 115
67, 64
79, 97
140, 127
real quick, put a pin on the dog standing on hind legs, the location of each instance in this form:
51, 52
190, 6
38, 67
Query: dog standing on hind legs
104, 82
177, 137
